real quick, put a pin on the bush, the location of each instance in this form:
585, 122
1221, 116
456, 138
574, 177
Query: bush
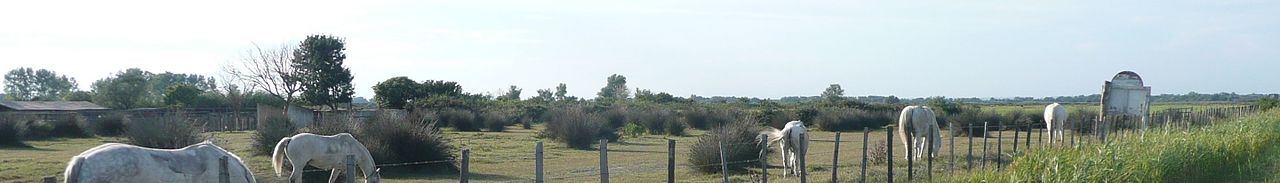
9, 131
168, 131
331, 126
394, 138
704, 119
496, 121
459, 119
110, 125
616, 117
847, 119
68, 125
576, 128
879, 153
741, 145
969, 121
271, 132
632, 130
657, 121
1265, 103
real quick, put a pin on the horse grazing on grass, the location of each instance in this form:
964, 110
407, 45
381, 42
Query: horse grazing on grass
920, 124
114, 162
324, 152
1055, 119
795, 141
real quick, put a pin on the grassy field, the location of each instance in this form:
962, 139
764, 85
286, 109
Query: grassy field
508, 157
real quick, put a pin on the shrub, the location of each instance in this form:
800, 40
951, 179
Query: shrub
459, 119
1265, 103
168, 131
704, 119
741, 145
576, 128
111, 125
68, 125
331, 126
847, 119
632, 130
9, 131
270, 132
1081, 120
394, 138
34, 129
969, 121
616, 117
657, 121
496, 121
879, 153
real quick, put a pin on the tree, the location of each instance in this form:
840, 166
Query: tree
24, 84
892, 100
833, 94
158, 84
269, 71
513, 93
396, 92
615, 89
561, 91
78, 96
544, 95
431, 88
324, 79
125, 90
181, 95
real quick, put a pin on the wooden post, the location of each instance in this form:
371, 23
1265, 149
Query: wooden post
466, 166
968, 160
351, 169
50, 179
865, 133
804, 172
889, 144
764, 160
999, 145
835, 158
929, 168
984, 145
671, 159
1040, 136
1030, 128
724, 166
1075, 130
952, 136
224, 175
911, 155
537, 164
604, 160
1015, 138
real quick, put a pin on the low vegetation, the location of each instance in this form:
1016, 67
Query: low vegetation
167, 131
740, 142
397, 138
270, 132
846, 119
575, 127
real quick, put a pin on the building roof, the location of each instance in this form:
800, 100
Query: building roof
50, 105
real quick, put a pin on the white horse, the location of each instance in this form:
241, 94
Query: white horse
795, 141
919, 123
1055, 117
114, 162
324, 152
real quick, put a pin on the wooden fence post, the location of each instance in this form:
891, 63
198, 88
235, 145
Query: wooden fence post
911, 155
1040, 136
764, 160
999, 145
50, 179
968, 160
671, 160
351, 169
224, 175
889, 144
537, 164
865, 133
466, 166
724, 166
985, 132
604, 161
835, 158
1015, 138
1030, 128
952, 137
804, 172
929, 168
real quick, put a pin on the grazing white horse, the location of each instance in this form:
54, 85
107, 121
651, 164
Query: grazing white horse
795, 141
919, 123
324, 152
114, 162
1055, 117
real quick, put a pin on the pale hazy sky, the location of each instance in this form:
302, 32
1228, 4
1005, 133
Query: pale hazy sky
710, 48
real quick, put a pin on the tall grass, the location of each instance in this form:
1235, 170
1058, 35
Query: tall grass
1231, 150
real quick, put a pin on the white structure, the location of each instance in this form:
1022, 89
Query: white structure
1125, 95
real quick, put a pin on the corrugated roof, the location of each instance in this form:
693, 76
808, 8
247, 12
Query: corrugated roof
51, 105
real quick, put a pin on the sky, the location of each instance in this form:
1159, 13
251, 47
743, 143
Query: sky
766, 49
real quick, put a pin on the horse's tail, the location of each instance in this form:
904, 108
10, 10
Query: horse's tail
774, 134
278, 156
72, 174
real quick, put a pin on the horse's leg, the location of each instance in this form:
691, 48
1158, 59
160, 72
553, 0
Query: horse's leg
333, 175
295, 175
785, 162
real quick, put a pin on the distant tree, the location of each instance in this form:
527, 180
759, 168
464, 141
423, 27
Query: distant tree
158, 84
833, 93
181, 95
561, 91
650, 96
431, 88
395, 92
325, 81
615, 89
942, 103
269, 71
544, 95
24, 84
78, 96
124, 90
892, 100
1266, 103
513, 93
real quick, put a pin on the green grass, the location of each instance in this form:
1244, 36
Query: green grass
1236, 150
